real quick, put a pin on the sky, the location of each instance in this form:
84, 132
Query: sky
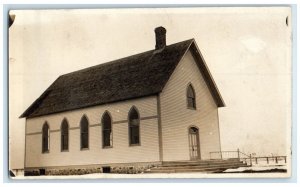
247, 50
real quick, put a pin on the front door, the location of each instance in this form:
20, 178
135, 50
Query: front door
194, 143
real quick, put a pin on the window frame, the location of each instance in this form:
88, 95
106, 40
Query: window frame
111, 130
129, 127
88, 133
61, 135
190, 86
48, 138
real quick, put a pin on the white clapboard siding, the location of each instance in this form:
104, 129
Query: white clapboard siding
176, 118
121, 152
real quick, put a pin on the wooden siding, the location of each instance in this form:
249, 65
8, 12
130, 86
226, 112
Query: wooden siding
121, 152
176, 118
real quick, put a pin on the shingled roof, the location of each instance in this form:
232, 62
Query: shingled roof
135, 76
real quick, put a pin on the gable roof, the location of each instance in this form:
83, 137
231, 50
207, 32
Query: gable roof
131, 77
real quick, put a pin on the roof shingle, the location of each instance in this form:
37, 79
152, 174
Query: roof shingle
135, 76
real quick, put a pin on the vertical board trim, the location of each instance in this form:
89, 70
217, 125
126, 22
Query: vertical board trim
160, 144
25, 144
219, 130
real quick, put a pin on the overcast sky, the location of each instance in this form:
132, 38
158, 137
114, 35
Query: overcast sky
246, 49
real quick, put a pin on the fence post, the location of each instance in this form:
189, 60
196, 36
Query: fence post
238, 152
267, 160
285, 159
276, 160
250, 160
255, 160
209, 155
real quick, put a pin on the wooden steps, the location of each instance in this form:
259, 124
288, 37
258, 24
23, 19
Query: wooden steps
205, 166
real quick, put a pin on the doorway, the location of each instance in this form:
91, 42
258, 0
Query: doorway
194, 143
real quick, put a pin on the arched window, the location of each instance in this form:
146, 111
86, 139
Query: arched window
45, 138
134, 127
64, 135
106, 130
191, 97
84, 133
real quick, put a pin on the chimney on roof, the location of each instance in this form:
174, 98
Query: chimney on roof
160, 36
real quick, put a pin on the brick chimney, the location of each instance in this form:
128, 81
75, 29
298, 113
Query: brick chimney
160, 36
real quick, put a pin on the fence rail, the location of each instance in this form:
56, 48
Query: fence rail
245, 157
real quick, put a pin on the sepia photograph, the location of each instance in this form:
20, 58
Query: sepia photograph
195, 92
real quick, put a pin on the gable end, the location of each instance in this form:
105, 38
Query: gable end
206, 75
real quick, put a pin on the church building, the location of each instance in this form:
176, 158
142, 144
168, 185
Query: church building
139, 111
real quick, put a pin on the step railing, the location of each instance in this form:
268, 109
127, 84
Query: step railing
241, 156
225, 155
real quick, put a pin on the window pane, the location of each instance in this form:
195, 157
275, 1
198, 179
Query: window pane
84, 142
84, 128
191, 101
134, 123
65, 126
134, 135
46, 148
106, 138
65, 140
106, 130
190, 92
84, 125
106, 121
64, 135
45, 138
45, 143
134, 114
131, 136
